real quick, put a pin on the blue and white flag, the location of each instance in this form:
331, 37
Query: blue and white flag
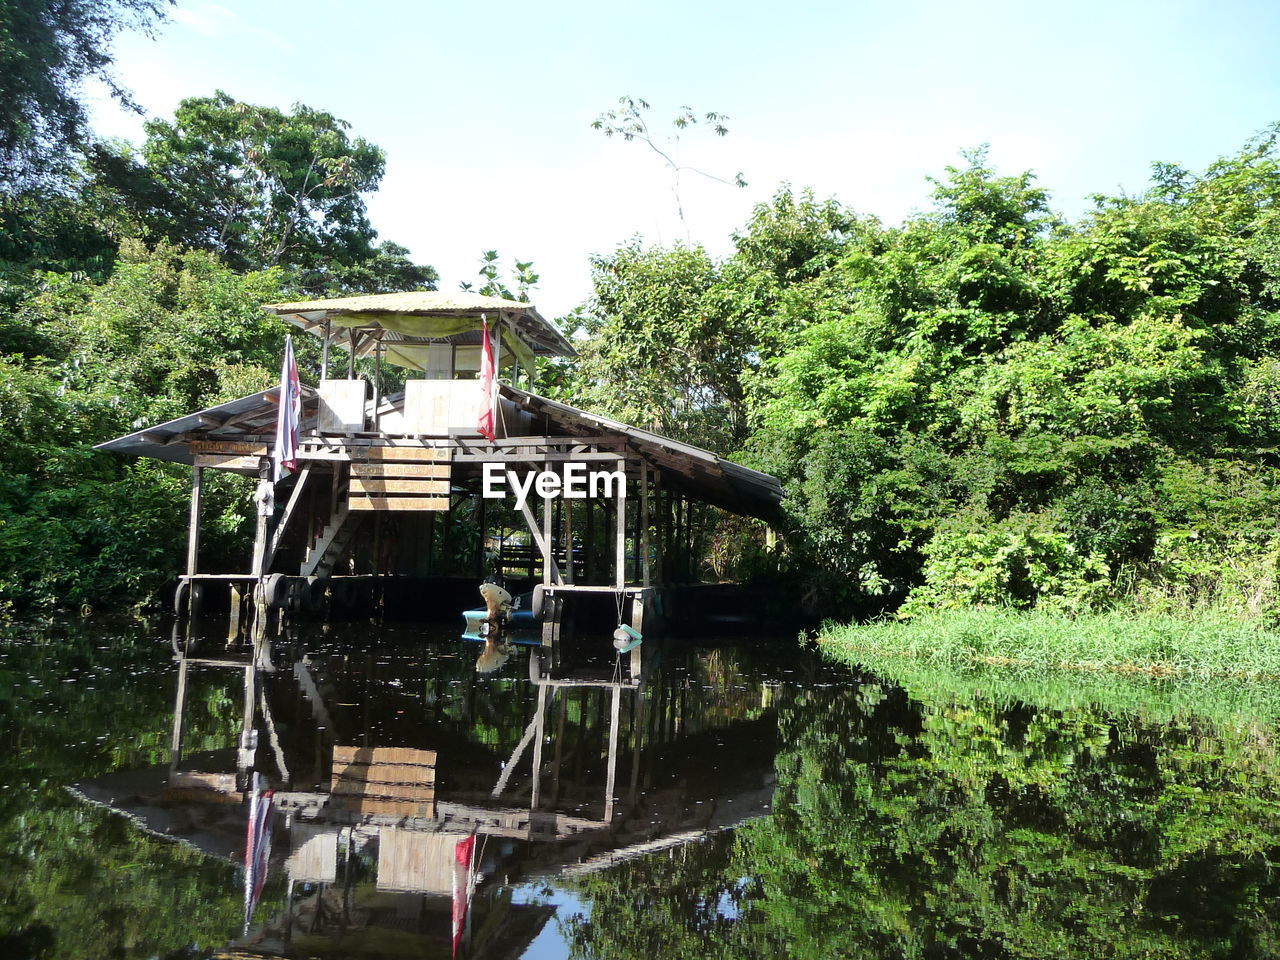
288, 416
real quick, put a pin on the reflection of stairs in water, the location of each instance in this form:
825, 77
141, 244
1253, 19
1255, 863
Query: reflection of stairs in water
332, 543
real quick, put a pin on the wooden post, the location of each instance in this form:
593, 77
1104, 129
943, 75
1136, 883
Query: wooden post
175, 742
620, 532
548, 548
589, 543
568, 541
265, 500
431, 543
193, 539
248, 737
237, 605
480, 519
638, 603
324, 353
351, 353
377, 381
611, 777
540, 735
644, 524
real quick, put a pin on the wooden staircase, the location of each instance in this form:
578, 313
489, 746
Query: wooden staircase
332, 543
388, 478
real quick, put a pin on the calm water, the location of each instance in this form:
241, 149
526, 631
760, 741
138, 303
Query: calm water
737, 803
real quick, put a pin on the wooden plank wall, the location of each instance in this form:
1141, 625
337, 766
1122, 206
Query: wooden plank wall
402, 478
392, 781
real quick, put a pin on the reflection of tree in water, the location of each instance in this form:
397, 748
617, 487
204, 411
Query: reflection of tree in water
77, 881
945, 827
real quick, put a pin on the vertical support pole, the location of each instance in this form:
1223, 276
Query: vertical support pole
620, 531
193, 540
431, 543
638, 602
568, 541
248, 736
351, 353
548, 551
644, 524
611, 778
589, 543
481, 521
639, 723
179, 708
536, 793
265, 500
324, 353
377, 381
237, 605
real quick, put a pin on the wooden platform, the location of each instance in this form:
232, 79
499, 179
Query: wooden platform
392, 781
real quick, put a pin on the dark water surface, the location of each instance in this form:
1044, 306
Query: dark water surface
762, 805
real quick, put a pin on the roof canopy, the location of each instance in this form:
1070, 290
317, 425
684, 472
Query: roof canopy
697, 472
406, 323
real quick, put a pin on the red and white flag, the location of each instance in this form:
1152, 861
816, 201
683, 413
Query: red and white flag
257, 848
488, 383
288, 416
463, 855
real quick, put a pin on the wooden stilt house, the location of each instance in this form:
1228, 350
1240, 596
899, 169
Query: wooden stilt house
382, 471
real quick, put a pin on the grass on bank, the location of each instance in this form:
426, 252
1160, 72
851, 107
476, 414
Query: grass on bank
1202, 647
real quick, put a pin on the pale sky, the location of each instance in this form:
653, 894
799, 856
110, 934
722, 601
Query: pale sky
484, 110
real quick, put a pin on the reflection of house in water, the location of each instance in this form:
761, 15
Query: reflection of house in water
554, 776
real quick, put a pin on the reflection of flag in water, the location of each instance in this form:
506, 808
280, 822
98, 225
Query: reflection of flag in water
463, 855
289, 415
257, 848
488, 382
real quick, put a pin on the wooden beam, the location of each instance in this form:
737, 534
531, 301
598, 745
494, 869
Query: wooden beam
548, 558
278, 535
381, 485
229, 447
226, 463
437, 471
399, 503
413, 454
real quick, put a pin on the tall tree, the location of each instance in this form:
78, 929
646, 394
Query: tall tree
263, 187
47, 49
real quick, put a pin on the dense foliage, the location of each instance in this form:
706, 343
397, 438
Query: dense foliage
47, 49
986, 404
925, 823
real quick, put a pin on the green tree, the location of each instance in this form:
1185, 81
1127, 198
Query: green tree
263, 187
47, 49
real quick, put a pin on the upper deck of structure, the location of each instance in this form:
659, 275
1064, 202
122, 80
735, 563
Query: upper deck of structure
437, 337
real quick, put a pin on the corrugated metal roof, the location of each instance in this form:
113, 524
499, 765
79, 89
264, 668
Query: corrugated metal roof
542, 336
707, 476
227, 421
700, 473
421, 302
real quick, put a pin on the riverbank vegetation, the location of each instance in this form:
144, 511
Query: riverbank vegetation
1204, 647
